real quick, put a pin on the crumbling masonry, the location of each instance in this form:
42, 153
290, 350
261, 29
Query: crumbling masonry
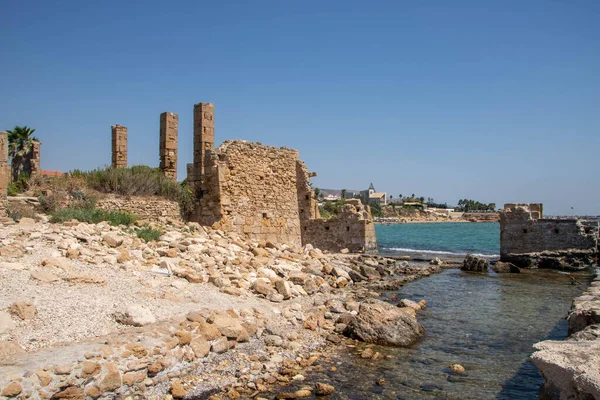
531, 241
264, 193
169, 126
119, 146
204, 137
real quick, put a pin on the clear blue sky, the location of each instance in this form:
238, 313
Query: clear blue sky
492, 101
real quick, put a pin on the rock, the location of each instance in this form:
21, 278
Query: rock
9, 349
323, 389
201, 347
409, 303
70, 393
436, 261
220, 345
380, 322
44, 377
505, 267
260, 252
83, 278
112, 239
177, 390
6, 322
62, 370
570, 368
273, 340
112, 380
262, 287
135, 315
44, 277
475, 264
283, 287
457, 369
184, 337
11, 251
13, 389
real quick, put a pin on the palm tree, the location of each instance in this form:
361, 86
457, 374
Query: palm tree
20, 146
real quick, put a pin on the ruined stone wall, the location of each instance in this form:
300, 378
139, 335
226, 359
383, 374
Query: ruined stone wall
204, 136
353, 229
119, 146
251, 189
169, 126
149, 208
4, 171
36, 169
523, 231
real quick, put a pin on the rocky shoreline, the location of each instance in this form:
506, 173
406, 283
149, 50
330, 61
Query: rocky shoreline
91, 311
571, 368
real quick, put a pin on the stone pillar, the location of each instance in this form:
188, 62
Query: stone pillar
119, 146
204, 136
4, 169
189, 169
169, 126
36, 170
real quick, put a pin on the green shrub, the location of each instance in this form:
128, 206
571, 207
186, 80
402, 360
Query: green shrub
149, 234
18, 210
50, 202
19, 186
93, 216
139, 180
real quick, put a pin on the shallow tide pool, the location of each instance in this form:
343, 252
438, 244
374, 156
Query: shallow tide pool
485, 322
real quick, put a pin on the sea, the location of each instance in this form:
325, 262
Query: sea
487, 322
444, 239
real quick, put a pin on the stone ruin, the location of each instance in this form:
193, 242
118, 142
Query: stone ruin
169, 126
119, 146
264, 193
529, 240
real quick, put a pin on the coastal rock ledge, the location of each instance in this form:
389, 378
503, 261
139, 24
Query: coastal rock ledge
571, 368
382, 323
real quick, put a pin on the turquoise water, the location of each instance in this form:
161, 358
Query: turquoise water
439, 239
485, 322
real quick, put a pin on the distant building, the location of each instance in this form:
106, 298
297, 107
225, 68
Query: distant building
331, 197
371, 196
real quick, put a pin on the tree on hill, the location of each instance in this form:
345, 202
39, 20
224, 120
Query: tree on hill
344, 192
20, 146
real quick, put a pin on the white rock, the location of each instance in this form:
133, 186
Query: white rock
135, 315
6, 322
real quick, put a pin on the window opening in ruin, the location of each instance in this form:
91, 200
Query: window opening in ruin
307, 197
348, 228
556, 230
264, 215
326, 228
524, 230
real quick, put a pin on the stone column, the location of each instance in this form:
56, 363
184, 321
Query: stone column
36, 170
119, 146
169, 126
189, 169
4, 169
204, 136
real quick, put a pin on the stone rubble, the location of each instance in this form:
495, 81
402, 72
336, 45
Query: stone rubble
91, 311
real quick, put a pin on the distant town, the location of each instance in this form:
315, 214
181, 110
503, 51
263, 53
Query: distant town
382, 204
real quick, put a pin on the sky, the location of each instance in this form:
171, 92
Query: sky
491, 101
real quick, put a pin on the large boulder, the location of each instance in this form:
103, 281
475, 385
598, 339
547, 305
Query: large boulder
475, 264
135, 315
502, 267
570, 368
382, 323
